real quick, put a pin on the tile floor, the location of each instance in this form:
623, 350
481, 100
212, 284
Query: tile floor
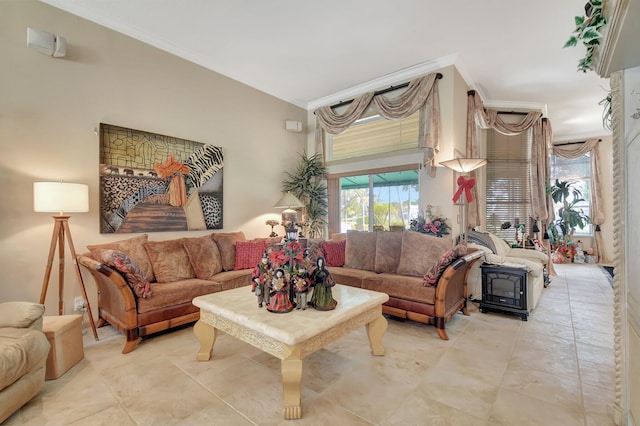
555, 369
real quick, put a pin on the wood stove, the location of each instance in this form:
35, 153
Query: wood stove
504, 289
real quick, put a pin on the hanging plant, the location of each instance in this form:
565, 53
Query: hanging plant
588, 31
607, 113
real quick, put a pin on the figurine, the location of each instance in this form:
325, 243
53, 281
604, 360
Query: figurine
261, 278
301, 283
322, 281
279, 301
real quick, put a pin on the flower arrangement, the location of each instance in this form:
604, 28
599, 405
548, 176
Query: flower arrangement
428, 224
291, 255
272, 223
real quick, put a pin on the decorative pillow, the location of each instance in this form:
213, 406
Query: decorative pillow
135, 276
334, 252
270, 242
169, 260
204, 256
360, 252
314, 249
134, 247
420, 251
433, 274
388, 247
226, 244
248, 254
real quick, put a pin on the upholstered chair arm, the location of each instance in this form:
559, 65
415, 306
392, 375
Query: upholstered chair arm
21, 315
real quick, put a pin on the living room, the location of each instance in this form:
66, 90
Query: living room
52, 110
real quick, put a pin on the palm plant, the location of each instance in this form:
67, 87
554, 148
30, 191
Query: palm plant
568, 217
307, 183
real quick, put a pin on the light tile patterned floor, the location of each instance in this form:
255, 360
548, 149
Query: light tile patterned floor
555, 369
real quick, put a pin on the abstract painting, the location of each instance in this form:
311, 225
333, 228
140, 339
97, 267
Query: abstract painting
155, 183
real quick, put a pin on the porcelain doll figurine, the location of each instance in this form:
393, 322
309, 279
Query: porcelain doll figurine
279, 299
322, 281
300, 282
261, 278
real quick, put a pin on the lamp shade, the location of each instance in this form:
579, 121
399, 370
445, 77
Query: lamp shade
288, 201
60, 197
464, 165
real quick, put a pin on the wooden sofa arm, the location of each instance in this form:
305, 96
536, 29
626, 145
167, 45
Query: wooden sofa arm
451, 291
116, 301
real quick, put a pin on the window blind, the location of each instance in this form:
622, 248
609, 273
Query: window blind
508, 185
375, 135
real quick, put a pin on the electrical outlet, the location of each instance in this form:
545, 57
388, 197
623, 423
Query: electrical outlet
78, 304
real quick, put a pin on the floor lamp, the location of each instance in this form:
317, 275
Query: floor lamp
62, 197
465, 184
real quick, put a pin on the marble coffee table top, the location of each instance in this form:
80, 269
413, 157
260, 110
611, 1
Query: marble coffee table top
240, 306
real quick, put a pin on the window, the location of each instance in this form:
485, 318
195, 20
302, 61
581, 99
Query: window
378, 200
508, 184
577, 170
374, 135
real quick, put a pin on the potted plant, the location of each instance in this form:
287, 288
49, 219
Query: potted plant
568, 216
307, 183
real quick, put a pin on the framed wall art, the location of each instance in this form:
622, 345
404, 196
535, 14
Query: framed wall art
155, 183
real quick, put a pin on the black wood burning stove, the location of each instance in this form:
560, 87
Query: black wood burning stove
504, 289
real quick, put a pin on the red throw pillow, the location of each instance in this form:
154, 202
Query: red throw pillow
248, 254
135, 277
433, 274
334, 252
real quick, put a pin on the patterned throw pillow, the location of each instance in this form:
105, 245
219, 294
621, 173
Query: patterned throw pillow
433, 274
135, 277
248, 254
334, 252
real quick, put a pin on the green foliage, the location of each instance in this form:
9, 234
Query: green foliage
588, 31
568, 216
307, 184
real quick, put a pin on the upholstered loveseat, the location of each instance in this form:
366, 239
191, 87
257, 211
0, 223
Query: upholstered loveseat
498, 252
147, 286
23, 354
398, 263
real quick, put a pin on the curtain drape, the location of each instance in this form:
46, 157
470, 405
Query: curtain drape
420, 95
597, 211
541, 134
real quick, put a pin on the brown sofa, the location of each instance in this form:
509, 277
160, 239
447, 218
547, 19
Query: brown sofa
177, 270
396, 263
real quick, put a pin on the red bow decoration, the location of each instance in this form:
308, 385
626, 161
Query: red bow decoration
466, 185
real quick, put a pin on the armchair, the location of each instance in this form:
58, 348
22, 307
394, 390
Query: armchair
23, 355
498, 252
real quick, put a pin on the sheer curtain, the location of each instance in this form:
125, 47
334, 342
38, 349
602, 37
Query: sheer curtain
597, 211
420, 95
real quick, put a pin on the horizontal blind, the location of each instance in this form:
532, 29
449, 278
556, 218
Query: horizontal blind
375, 135
508, 185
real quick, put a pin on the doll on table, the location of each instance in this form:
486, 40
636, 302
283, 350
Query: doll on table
301, 283
279, 298
260, 280
322, 281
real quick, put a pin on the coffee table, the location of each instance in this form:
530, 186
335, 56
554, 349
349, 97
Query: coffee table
291, 336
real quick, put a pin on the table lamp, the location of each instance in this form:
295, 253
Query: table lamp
289, 216
62, 197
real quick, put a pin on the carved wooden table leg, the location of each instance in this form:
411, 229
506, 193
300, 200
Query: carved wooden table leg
206, 335
375, 330
291, 368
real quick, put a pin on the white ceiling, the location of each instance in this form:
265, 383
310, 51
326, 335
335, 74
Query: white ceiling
312, 53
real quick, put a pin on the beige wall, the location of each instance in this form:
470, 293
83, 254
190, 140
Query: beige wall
48, 111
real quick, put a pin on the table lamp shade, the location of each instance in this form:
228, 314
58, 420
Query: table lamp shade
60, 197
288, 201
464, 165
